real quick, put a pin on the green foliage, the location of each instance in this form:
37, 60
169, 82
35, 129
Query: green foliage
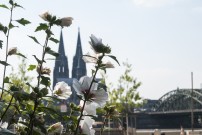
54, 40
51, 52
42, 26
23, 21
3, 6
125, 95
4, 63
35, 40
20, 77
31, 67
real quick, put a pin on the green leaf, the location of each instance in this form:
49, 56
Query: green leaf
6, 79
39, 61
1, 44
10, 26
4, 6
3, 28
31, 67
19, 54
54, 40
11, 2
16, 5
44, 91
51, 52
14, 88
22, 21
45, 81
35, 40
42, 26
114, 58
4, 63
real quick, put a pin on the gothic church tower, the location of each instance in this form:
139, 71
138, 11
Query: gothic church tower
79, 66
61, 70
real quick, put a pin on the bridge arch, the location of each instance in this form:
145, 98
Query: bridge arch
179, 99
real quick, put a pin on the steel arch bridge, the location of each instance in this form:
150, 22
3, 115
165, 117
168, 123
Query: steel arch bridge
178, 100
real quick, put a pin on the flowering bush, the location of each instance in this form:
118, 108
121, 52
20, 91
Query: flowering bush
27, 113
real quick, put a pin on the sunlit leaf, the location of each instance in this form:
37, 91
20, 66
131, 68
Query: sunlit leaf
54, 40
4, 63
42, 26
35, 40
22, 21
31, 67
4, 6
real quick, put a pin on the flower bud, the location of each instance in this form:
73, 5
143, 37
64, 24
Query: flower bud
45, 15
66, 21
12, 51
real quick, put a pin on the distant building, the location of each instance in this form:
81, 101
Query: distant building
61, 69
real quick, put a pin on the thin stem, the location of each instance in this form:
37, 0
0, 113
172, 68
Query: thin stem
31, 124
7, 37
104, 122
85, 100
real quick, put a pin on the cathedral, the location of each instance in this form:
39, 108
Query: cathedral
61, 69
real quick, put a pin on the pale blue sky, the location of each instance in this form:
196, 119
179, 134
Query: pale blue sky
160, 38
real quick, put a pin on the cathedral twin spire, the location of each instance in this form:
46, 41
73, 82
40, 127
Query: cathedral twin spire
61, 70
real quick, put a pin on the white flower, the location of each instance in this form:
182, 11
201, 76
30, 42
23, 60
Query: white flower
45, 15
90, 108
55, 128
86, 125
12, 51
4, 124
62, 90
66, 21
82, 88
83, 85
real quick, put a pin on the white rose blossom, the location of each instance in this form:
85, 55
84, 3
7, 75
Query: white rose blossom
62, 90
82, 88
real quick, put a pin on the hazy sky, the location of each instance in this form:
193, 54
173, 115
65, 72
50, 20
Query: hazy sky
160, 38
